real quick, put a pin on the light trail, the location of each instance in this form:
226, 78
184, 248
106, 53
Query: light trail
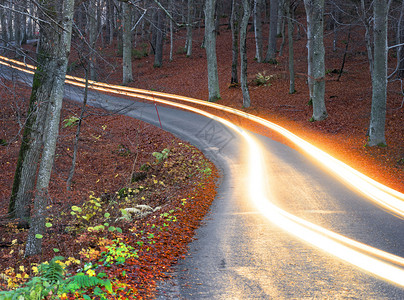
380, 263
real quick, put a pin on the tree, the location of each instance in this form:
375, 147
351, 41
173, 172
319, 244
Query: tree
273, 24
160, 30
126, 44
291, 54
243, 53
379, 74
210, 47
188, 45
258, 30
234, 25
41, 130
316, 52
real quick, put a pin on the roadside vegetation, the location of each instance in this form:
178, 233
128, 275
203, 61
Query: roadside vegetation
136, 198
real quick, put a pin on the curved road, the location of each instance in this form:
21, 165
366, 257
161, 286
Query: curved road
245, 252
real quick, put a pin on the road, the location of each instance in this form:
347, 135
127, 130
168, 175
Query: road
249, 249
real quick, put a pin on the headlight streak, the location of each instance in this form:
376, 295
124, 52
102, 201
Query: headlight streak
378, 262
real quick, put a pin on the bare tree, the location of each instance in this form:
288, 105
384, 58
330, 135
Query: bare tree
379, 75
258, 29
273, 22
126, 44
210, 47
243, 53
234, 24
316, 53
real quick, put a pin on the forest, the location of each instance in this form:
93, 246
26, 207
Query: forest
329, 71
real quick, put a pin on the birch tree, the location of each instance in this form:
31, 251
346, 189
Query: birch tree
210, 47
316, 53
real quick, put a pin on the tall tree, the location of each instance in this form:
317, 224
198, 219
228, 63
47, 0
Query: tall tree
92, 36
291, 53
41, 131
126, 44
160, 32
316, 52
243, 53
210, 47
234, 25
258, 29
379, 75
273, 25
189, 27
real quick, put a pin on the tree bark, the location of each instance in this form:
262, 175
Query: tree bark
127, 75
316, 63
158, 57
210, 47
258, 30
243, 53
379, 76
273, 24
291, 53
53, 58
234, 24
92, 36
189, 28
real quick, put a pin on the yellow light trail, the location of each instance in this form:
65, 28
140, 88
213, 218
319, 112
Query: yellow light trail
380, 263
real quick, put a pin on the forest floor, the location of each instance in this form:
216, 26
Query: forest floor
110, 144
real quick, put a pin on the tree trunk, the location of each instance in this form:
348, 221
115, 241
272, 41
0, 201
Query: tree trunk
316, 64
291, 54
258, 30
234, 24
171, 32
243, 53
158, 57
92, 36
53, 58
400, 39
189, 27
127, 75
210, 47
379, 76
273, 23
367, 36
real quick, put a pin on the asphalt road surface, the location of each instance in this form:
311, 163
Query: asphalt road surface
240, 253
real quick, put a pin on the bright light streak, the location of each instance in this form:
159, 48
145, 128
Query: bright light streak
375, 261
358, 254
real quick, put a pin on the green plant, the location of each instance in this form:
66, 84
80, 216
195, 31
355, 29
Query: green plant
3, 142
118, 252
262, 79
160, 156
70, 121
46, 284
81, 282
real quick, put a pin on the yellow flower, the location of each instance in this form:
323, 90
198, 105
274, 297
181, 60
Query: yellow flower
63, 296
35, 269
90, 272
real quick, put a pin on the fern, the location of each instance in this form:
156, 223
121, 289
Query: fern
53, 271
82, 281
